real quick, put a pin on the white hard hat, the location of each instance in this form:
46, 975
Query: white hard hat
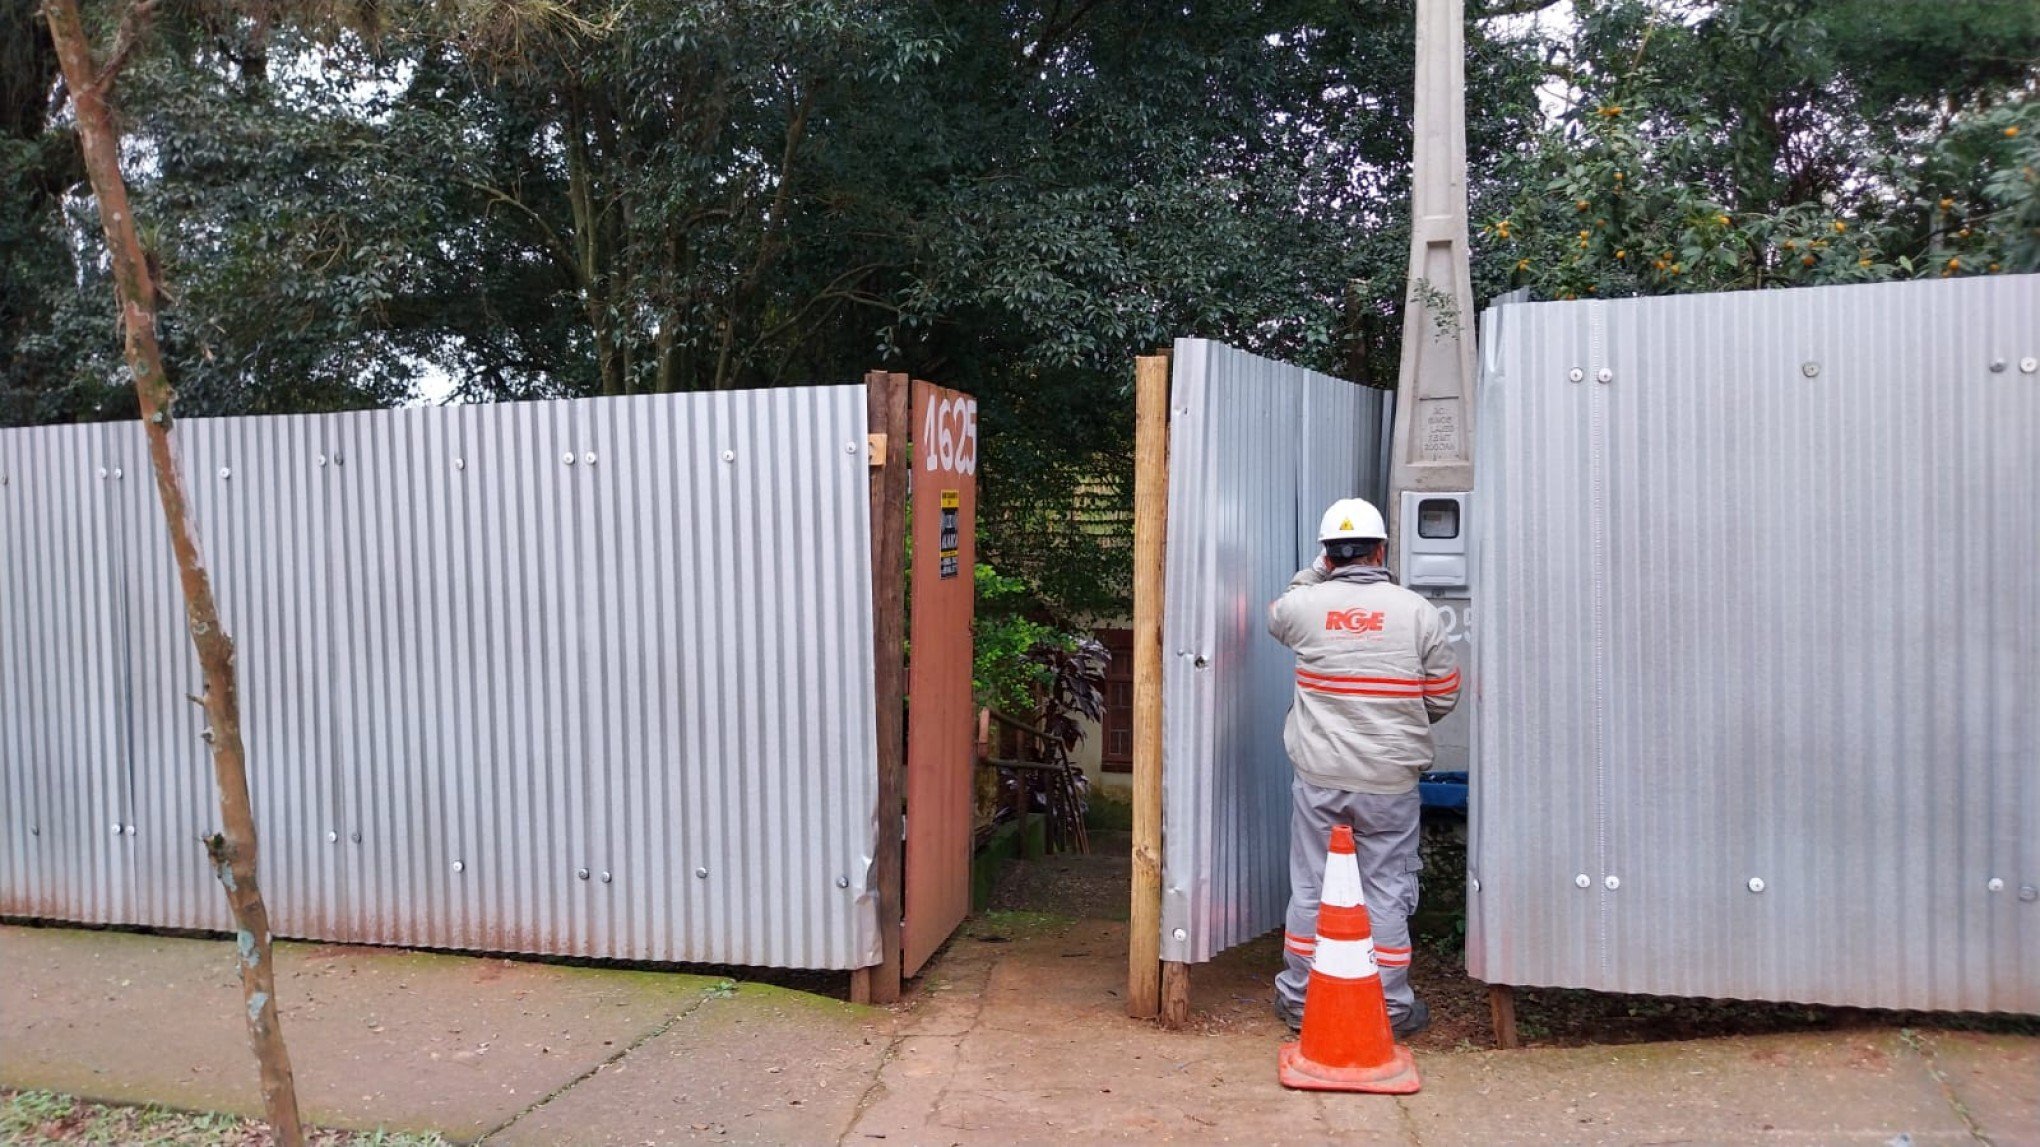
1352, 519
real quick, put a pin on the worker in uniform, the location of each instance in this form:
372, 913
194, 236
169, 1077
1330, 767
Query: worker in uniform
1374, 671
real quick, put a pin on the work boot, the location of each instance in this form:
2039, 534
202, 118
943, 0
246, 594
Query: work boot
1417, 1019
1293, 1019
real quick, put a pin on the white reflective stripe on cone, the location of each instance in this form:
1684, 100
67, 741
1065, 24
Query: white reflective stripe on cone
1342, 881
1344, 959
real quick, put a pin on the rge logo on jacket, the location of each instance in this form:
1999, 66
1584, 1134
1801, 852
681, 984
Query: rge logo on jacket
1356, 620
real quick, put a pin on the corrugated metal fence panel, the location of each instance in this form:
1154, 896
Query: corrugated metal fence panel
1257, 449
67, 802
1762, 608
620, 706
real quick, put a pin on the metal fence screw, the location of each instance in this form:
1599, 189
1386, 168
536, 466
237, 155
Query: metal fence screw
355, 836
1810, 369
332, 838
605, 877
1604, 375
35, 830
2029, 364
1576, 375
1612, 883
589, 457
701, 874
1756, 884
460, 866
322, 459
1583, 880
1997, 365
460, 463
118, 474
131, 830
729, 456
1180, 934
102, 471
1995, 885
842, 882
581, 872
1475, 882
568, 458
225, 472
2028, 893
116, 830
849, 448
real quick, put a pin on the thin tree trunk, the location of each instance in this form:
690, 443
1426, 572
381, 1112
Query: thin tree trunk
232, 851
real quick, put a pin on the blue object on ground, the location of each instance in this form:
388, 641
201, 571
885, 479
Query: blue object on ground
1443, 790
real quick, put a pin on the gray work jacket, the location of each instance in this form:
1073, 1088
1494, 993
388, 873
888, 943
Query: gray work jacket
1374, 670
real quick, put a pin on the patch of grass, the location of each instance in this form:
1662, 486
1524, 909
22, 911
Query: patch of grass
44, 1117
1108, 812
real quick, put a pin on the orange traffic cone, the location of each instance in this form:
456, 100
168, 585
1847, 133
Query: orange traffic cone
1346, 1044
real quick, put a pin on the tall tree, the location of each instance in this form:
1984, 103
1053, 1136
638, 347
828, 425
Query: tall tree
232, 850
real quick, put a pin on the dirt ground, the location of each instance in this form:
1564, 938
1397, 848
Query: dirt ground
1098, 886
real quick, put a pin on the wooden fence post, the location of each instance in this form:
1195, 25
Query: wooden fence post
880, 984
1150, 519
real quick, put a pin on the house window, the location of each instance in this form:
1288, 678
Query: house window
1117, 750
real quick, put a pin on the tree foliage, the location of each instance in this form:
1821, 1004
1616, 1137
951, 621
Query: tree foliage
1780, 142
353, 206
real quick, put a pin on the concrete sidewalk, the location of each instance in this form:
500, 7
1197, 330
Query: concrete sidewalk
1015, 1036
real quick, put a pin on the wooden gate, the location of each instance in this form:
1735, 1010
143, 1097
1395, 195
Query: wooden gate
940, 707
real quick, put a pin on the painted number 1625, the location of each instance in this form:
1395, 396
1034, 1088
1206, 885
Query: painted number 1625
949, 436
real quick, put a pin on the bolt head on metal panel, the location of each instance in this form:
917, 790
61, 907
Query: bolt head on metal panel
567, 458
605, 877
102, 471
1998, 365
701, 874
339, 459
842, 882
1475, 882
130, 830
459, 866
2028, 893
849, 448
35, 830
1576, 375
1604, 375
581, 872
1995, 885
589, 457
460, 463
1810, 369
2029, 364
355, 836
1583, 880
1180, 934
1756, 884
729, 456
116, 830
225, 472
332, 838
1612, 883
322, 459
118, 473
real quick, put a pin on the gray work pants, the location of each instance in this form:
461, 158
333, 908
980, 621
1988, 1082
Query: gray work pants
1385, 837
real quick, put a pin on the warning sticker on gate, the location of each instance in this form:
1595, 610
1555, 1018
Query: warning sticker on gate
952, 501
